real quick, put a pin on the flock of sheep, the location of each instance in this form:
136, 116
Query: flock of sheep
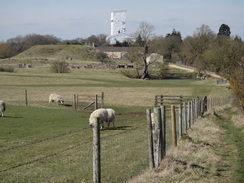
102, 115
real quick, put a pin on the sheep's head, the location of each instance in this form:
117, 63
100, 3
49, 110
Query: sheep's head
92, 122
61, 101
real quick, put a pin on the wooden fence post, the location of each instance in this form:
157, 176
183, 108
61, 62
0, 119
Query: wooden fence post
163, 117
96, 153
192, 112
151, 149
158, 137
75, 101
189, 115
102, 100
96, 104
185, 116
173, 120
26, 100
180, 120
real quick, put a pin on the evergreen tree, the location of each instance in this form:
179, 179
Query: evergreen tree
224, 30
139, 41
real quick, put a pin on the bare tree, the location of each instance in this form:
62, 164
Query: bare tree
154, 57
145, 30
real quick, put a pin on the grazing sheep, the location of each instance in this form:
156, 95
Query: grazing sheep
111, 117
56, 98
101, 114
2, 107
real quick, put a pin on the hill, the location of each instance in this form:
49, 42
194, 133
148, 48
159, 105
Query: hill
47, 53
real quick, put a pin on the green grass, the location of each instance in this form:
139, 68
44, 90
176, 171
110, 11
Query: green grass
67, 158
233, 135
69, 153
48, 53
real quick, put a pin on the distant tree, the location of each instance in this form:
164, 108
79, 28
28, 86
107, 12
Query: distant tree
157, 45
102, 39
195, 47
98, 40
4, 50
139, 41
21, 43
224, 30
172, 44
77, 41
60, 67
15, 45
102, 57
146, 31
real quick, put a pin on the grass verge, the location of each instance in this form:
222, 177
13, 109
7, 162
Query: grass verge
212, 151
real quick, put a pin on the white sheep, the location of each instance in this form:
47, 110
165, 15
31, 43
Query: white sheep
56, 98
101, 115
111, 117
2, 107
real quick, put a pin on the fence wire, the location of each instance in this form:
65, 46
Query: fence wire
73, 163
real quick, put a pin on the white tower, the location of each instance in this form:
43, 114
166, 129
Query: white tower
118, 22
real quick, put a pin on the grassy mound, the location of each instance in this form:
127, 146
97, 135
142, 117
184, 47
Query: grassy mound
48, 53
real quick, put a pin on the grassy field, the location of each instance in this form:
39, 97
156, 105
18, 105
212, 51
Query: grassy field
58, 136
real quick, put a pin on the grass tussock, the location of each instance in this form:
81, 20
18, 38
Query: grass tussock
7, 69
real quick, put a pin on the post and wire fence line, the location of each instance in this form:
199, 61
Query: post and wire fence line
183, 112
167, 122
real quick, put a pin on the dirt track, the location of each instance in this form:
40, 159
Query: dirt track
193, 70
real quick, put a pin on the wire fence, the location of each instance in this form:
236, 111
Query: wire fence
166, 128
73, 163
125, 151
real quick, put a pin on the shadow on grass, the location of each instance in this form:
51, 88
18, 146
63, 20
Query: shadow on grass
12, 117
118, 128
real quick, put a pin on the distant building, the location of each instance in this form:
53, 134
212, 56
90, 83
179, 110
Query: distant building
118, 28
116, 52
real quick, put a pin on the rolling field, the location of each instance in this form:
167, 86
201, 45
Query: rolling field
59, 137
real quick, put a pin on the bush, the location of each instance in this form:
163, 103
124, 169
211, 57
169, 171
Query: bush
7, 69
102, 57
132, 73
60, 67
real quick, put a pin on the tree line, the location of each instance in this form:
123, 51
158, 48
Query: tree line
205, 50
18, 44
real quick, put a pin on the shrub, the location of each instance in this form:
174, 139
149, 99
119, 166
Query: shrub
132, 73
60, 67
7, 69
102, 57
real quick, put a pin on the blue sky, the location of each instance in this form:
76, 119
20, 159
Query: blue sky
69, 19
